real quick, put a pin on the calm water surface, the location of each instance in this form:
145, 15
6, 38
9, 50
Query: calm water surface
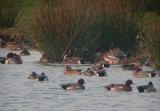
17, 93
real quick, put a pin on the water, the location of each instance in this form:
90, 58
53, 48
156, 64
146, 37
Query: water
17, 93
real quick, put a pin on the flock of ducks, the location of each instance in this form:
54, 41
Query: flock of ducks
96, 70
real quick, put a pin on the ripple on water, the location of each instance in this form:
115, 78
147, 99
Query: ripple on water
17, 93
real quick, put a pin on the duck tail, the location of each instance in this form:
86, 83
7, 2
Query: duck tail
63, 86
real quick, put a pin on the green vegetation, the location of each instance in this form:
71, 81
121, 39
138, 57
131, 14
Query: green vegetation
9, 11
80, 27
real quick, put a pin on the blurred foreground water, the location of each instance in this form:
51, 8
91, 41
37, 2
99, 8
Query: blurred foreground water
17, 93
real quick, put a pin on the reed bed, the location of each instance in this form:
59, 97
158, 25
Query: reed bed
66, 28
154, 41
9, 12
80, 27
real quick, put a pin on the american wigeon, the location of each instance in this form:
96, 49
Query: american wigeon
139, 73
115, 56
147, 88
74, 86
88, 72
128, 67
25, 52
72, 72
2, 60
42, 77
104, 63
33, 75
13, 58
120, 87
99, 70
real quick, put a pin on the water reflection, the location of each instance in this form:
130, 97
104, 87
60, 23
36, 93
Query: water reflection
17, 93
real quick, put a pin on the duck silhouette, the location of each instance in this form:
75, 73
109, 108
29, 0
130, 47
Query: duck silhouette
120, 87
146, 88
74, 86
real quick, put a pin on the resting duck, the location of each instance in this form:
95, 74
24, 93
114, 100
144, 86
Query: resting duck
88, 72
147, 88
72, 60
120, 87
74, 86
34, 75
114, 56
13, 58
72, 72
139, 73
42, 77
44, 59
25, 52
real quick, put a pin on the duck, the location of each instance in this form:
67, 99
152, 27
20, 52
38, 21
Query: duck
104, 63
72, 72
13, 58
2, 60
101, 72
120, 87
33, 75
146, 88
88, 72
74, 86
44, 59
42, 77
73, 60
25, 52
139, 73
129, 67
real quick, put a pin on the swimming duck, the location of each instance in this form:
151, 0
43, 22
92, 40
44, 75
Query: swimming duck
139, 73
120, 87
42, 77
25, 52
129, 67
88, 72
147, 88
2, 60
72, 72
101, 72
13, 58
74, 86
104, 63
34, 75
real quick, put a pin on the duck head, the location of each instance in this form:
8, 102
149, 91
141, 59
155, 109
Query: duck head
150, 83
81, 81
128, 82
68, 67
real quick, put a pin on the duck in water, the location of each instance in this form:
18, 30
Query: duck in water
120, 87
74, 86
147, 88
